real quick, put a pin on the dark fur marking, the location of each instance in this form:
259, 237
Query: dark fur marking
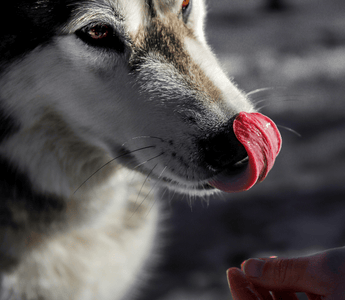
16, 192
23, 212
152, 12
8, 126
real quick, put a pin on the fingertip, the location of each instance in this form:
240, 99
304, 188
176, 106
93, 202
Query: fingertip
232, 270
240, 287
234, 274
253, 267
236, 280
261, 258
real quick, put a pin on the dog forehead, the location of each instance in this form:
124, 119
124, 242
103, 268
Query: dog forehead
138, 13
135, 13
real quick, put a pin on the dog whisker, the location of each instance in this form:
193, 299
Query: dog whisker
109, 162
147, 177
158, 180
271, 102
270, 95
142, 186
142, 137
257, 91
190, 202
290, 129
139, 165
206, 198
277, 99
172, 196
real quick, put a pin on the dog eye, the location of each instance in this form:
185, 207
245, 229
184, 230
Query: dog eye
185, 4
101, 36
186, 9
99, 32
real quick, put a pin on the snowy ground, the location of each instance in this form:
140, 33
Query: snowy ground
300, 208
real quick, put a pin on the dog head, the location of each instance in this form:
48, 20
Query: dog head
135, 78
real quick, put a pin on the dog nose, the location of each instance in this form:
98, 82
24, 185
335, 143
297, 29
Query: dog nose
221, 148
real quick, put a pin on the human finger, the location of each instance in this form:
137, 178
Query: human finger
242, 289
317, 274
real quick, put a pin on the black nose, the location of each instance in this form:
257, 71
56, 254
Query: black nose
221, 149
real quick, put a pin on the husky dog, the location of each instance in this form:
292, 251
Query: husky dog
102, 104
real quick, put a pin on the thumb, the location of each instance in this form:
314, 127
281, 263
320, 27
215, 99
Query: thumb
303, 274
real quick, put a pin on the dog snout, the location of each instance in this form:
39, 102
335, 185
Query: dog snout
221, 149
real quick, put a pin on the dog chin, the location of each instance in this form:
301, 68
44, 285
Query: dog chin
191, 189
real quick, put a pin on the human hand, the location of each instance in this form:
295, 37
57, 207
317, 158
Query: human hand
321, 276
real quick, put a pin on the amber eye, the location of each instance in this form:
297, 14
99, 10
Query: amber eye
99, 32
185, 3
101, 36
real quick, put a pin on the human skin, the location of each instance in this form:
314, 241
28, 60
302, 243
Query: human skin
320, 276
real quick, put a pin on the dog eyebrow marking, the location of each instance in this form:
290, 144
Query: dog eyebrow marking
107, 12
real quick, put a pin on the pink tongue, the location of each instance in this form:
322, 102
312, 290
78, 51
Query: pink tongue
262, 141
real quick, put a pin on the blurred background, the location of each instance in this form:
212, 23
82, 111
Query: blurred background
291, 54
